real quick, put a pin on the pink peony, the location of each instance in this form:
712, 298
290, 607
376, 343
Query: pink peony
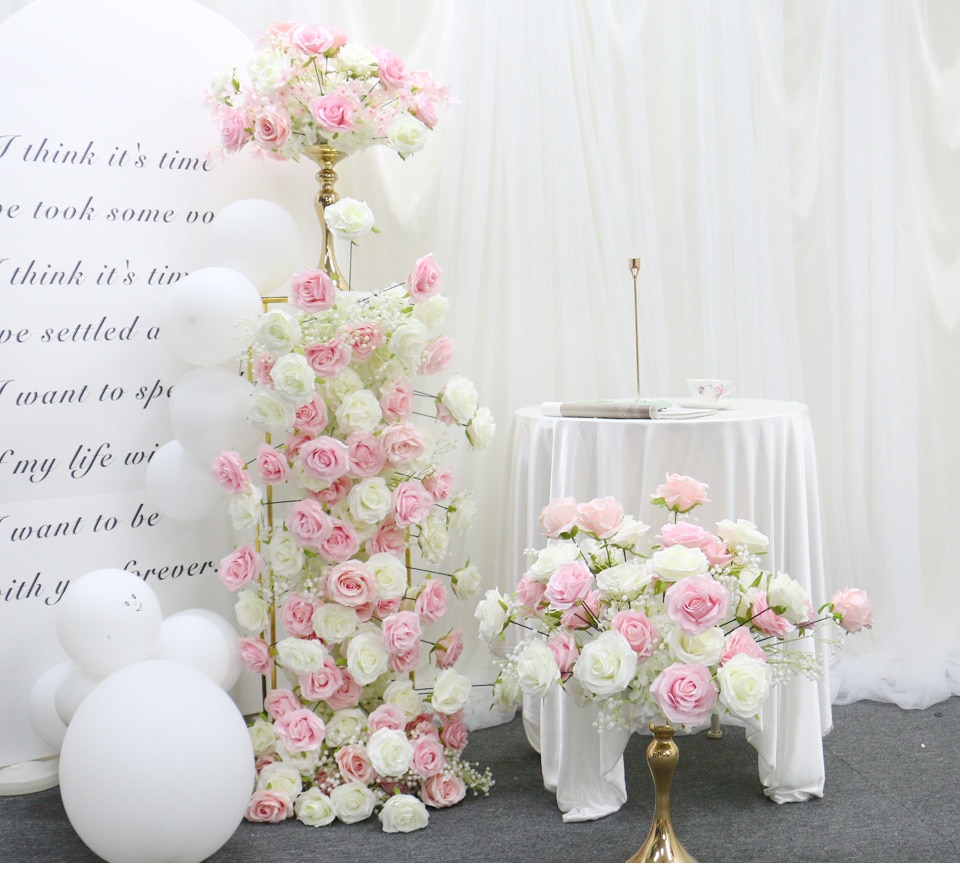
312, 291
602, 516
334, 492
391, 70
568, 584
854, 609
300, 729
365, 455
364, 340
741, 642
255, 655
271, 465
280, 701
424, 280
685, 693
411, 503
558, 516
348, 694
230, 472
401, 632
308, 524
530, 592
454, 734
716, 552
585, 613
405, 662
639, 632
444, 789
296, 614
437, 356
241, 566
268, 806
697, 603
431, 601
680, 493
327, 359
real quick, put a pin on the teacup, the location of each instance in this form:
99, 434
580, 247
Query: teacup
711, 390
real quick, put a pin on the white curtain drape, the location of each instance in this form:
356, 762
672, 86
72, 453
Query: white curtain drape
789, 173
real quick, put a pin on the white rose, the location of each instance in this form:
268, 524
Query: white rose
314, 808
263, 737
623, 581
433, 539
403, 813
552, 556
492, 614
390, 752
267, 72
306, 761
507, 694
344, 727
462, 511
631, 534
782, 591
333, 622
432, 312
742, 533
678, 562
251, 611
359, 410
606, 664
277, 331
367, 657
482, 428
703, 649
285, 554
408, 340
353, 802
451, 691
369, 501
357, 59
744, 685
281, 778
537, 670
245, 508
466, 581
402, 695
301, 656
407, 134
293, 379
268, 411
348, 219
390, 575
460, 398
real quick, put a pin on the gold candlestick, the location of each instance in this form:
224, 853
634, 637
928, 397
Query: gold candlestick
634, 264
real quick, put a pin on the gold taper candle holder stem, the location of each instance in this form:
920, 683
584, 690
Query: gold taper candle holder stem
634, 264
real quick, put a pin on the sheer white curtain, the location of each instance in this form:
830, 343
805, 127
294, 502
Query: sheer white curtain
789, 173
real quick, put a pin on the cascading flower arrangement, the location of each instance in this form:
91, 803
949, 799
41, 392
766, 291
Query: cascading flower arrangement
308, 85
672, 627
344, 502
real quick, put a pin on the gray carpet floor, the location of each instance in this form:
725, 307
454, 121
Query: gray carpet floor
892, 795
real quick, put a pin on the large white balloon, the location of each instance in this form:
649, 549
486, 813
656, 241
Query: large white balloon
156, 765
205, 640
257, 238
42, 707
107, 619
200, 315
71, 691
208, 412
181, 488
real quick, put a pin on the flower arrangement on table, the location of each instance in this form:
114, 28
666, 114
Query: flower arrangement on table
309, 86
676, 626
346, 493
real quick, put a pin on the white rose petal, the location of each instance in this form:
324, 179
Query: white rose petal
460, 398
704, 648
314, 808
451, 691
246, 508
293, 379
606, 664
624, 581
390, 752
742, 533
492, 615
353, 802
782, 591
408, 340
359, 410
281, 778
537, 670
432, 312
344, 727
678, 562
277, 331
403, 813
402, 695
407, 134
369, 500
333, 622
390, 575
268, 411
466, 581
285, 554
744, 685
367, 657
263, 737
551, 557
482, 428
348, 219
301, 656
252, 612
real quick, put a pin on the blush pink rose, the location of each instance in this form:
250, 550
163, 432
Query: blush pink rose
439, 484
400, 632
854, 609
348, 694
314, 39
741, 642
234, 133
602, 516
697, 603
280, 701
325, 458
424, 279
271, 128
437, 356
638, 631
291, 448
685, 694
296, 615
401, 443
334, 492
334, 112
342, 542
300, 729
312, 291
365, 456
428, 757
765, 619
530, 592
255, 655
558, 516
354, 764
389, 539
271, 465
685, 534
585, 613
681, 493
411, 503
565, 651
396, 400
321, 684
262, 368
431, 602
308, 524
568, 584
351, 584
268, 806
716, 552
364, 340
327, 359
386, 715
242, 565
404, 662
391, 70
448, 649
444, 789
230, 472
454, 734
312, 417
383, 608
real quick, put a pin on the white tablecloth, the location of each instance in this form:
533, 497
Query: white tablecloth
759, 462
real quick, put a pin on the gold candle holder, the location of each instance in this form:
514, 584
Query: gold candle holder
634, 264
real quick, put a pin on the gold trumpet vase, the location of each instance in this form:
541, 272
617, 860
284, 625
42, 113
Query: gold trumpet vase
327, 157
662, 845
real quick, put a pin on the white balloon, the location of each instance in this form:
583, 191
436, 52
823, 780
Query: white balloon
71, 691
200, 314
42, 708
181, 488
156, 766
257, 238
208, 412
108, 619
204, 640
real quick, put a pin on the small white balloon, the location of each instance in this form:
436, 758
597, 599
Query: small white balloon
107, 619
208, 412
180, 487
257, 238
42, 707
71, 692
156, 765
205, 640
200, 315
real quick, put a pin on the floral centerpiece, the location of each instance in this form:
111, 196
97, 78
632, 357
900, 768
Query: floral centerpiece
674, 626
307, 85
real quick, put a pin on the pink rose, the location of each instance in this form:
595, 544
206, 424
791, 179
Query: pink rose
411, 503
854, 609
423, 725
444, 789
638, 631
425, 109
342, 542
312, 417
327, 359
454, 734
333, 493
681, 493
448, 649
324, 458
565, 651
396, 400
405, 662
716, 552
437, 356
697, 603
741, 642
291, 448
386, 715
241, 566
354, 764
558, 516
685, 534
400, 631
300, 729
585, 613
401, 443
765, 619
321, 684
280, 701
268, 806
364, 340
230, 472
255, 655
312, 291
314, 39
383, 608
271, 466
602, 516
389, 539
271, 128
685, 693
530, 592
365, 456
348, 694
431, 601
424, 279
262, 367
234, 134
296, 615
351, 584
428, 758
391, 70
308, 524
568, 584
334, 112
439, 484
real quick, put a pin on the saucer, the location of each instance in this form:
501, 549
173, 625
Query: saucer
726, 403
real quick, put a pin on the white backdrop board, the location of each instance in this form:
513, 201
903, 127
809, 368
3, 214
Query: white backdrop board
107, 192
